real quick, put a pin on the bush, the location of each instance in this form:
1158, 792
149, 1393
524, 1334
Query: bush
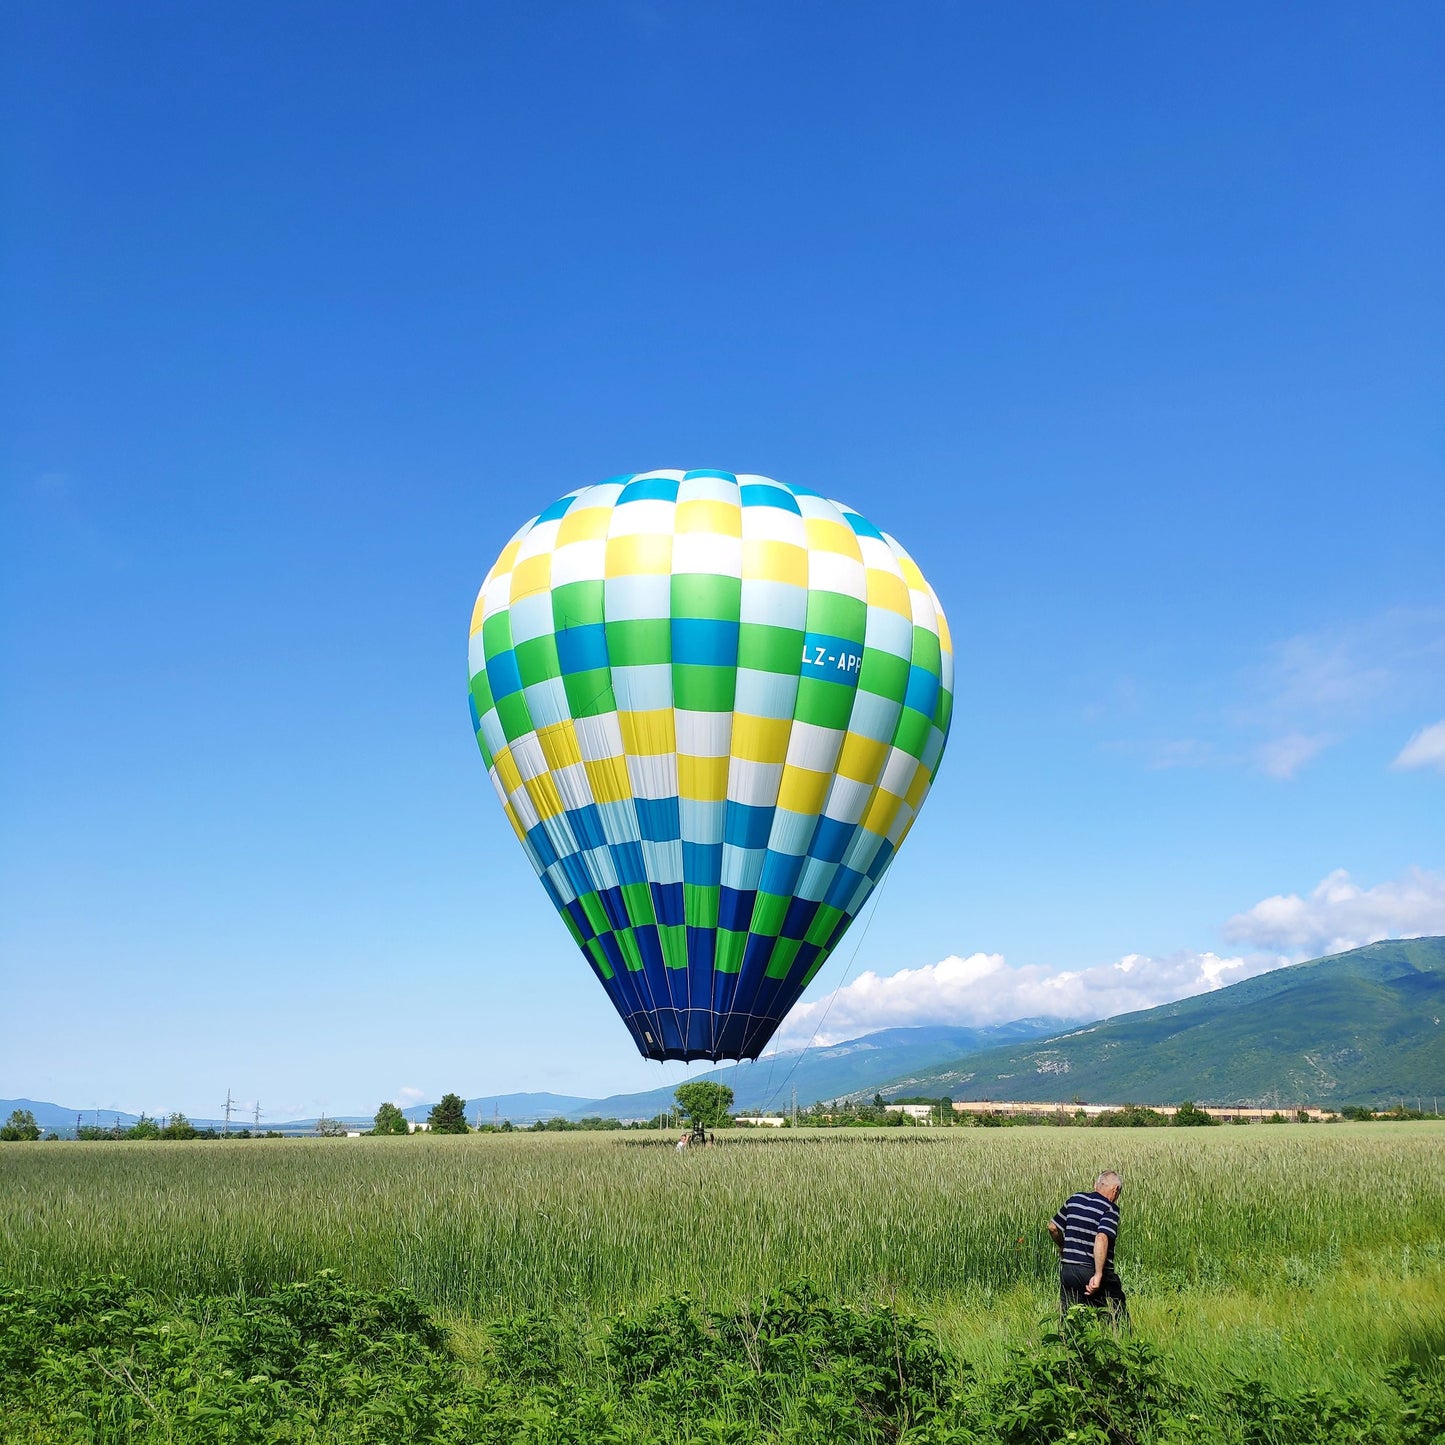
320, 1362
313, 1361
858, 1369
1189, 1116
558, 1125
1132, 1116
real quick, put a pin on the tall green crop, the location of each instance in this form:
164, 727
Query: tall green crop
528, 1220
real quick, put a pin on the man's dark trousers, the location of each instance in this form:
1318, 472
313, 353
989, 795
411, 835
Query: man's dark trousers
1109, 1295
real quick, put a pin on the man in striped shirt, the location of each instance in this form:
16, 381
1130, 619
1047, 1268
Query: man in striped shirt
1085, 1230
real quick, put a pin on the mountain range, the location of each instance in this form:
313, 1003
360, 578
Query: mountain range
1363, 1027
834, 1071
817, 1073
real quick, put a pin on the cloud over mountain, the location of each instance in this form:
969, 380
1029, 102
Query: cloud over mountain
1339, 914
982, 988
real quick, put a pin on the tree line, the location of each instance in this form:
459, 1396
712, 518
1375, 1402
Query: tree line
700, 1105
22, 1126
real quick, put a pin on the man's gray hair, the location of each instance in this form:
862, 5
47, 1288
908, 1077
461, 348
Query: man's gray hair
1108, 1180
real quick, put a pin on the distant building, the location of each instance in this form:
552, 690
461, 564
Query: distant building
767, 1121
993, 1106
924, 1113
1229, 1114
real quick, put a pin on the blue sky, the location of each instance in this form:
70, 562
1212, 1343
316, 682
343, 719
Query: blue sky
1125, 320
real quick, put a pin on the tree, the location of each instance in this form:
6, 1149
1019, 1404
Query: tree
178, 1127
390, 1120
449, 1116
20, 1126
144, 1128
330, 1128
706, 1104
1189, 1115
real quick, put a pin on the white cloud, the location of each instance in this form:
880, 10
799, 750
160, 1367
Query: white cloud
1332, 671
984, 989
1284, 757
1307, 692
1339, 914
408, 1096
1425, 750
1342, 672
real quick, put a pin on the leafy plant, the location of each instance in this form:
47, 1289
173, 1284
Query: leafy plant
319, 1362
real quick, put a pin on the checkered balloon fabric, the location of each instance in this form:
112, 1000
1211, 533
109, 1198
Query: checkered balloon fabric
711, 706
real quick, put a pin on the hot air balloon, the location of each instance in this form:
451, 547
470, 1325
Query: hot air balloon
711, 706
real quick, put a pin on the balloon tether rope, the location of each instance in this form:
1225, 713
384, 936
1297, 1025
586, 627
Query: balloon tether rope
832, 998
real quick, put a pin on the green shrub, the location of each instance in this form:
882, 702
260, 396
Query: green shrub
320, 1362
1189, 1116
1132, 1116
312, 1361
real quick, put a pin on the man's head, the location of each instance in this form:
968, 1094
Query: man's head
1109, 1185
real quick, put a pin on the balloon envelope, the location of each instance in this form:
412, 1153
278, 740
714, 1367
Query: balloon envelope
711, 706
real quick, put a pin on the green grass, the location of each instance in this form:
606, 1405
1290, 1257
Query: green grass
1292, 1253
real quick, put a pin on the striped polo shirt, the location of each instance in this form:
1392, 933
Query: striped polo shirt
1082, 1217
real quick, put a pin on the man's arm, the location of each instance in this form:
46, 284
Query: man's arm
1056, 1234
1101, 1258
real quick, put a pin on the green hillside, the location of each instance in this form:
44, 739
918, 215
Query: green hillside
1364, 1027
831, 1071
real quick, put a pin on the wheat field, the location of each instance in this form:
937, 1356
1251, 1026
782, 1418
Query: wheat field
486, 1222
